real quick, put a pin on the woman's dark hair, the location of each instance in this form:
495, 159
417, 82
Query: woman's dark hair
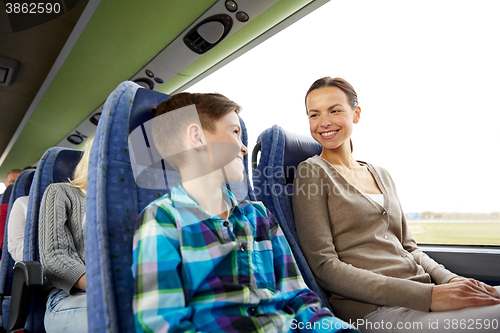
342, 84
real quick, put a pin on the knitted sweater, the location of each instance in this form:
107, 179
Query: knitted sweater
362, 252
61, 238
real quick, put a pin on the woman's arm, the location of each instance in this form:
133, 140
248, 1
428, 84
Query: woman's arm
310, 204
463, 293
439, 274
81, 283
58, 255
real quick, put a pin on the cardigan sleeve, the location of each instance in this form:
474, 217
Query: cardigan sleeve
310, 206
439, 274
58, 252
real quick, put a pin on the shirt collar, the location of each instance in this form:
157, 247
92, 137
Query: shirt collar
180, 198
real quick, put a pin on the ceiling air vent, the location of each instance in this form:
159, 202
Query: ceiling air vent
8, 71
208, 33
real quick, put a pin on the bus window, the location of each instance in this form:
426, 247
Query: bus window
427, 76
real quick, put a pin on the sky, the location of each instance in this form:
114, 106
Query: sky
427, 78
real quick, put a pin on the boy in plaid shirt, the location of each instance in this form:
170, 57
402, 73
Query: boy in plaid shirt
204, 261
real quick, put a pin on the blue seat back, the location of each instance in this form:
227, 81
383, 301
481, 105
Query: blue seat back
4, 203
115, 199
56, 166
6, 195
21, 187
280, 154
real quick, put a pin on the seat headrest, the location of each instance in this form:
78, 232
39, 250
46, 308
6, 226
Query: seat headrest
27, 184
65, 165
6, 194
145, 101
298, 148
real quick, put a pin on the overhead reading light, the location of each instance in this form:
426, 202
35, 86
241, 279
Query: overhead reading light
208, 33
8, 71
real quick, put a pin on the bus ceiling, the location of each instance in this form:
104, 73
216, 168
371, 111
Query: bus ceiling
70, 64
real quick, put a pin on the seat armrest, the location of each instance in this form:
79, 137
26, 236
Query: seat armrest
27, 279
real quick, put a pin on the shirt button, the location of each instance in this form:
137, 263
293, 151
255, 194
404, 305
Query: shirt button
243, 247
385, 236
384, 213
252, 311
226, 224
403, 255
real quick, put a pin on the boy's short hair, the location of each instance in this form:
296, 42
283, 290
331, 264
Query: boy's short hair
168, 132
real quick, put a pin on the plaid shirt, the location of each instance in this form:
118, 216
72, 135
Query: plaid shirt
198, 272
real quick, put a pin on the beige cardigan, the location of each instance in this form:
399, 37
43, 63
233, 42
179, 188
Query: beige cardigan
361, 252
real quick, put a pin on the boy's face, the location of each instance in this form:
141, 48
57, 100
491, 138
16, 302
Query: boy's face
230, 150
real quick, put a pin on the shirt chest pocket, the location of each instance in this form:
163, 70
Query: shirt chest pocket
263, 264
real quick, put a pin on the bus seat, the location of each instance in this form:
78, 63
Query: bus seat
21, 187
114, 202
115, 199
6, 195
280, 154
27, 307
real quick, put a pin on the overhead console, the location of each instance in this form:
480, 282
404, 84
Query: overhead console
222, 20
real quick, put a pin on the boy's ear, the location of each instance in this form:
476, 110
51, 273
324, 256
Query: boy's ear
195, 136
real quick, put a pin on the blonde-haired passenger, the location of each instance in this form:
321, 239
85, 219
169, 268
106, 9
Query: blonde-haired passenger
62, 250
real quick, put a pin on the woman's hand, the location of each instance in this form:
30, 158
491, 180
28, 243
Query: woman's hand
480, 284
81, 283
461, 293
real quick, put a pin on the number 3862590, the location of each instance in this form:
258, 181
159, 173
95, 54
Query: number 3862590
32, 8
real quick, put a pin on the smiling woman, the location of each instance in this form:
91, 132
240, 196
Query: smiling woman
356, 238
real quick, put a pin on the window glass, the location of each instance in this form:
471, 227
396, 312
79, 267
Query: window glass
427, 75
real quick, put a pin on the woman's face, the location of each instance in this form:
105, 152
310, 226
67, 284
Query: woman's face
331, 117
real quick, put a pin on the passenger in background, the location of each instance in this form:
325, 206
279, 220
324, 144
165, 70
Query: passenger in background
62, 251
16, 226
11, 176
355, 237
202, 261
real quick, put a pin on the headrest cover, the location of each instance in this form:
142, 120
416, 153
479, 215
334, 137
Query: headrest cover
27, 184
142, 109
65, 165
6, 194
298, 148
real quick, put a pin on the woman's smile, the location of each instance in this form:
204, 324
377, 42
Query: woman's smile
329, 134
